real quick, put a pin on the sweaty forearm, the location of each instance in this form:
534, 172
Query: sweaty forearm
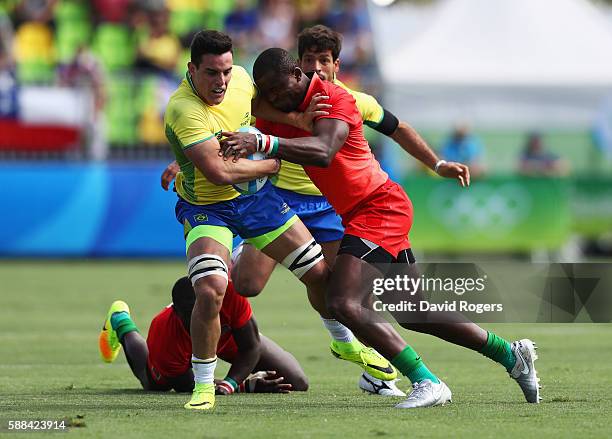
304, 151
244, 364
246, 170
414, 144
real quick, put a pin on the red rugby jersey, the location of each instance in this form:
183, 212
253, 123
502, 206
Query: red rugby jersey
169, 342
354, 173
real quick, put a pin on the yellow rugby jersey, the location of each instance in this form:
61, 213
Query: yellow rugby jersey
190, 121
293, 177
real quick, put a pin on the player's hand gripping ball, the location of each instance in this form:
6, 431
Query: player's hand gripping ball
253, 186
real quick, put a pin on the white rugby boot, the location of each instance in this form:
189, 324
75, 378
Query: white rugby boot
426, 394
524, 371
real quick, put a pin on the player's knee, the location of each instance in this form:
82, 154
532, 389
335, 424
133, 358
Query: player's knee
209, 292
209, 276
344, 311
248, 287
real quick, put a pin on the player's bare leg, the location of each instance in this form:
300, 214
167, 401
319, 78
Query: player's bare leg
330, 251
348, 298
307, 265
252, 270
348, 301
273, 357
119, 330
455, 328
296, 250
207, 268
136, 354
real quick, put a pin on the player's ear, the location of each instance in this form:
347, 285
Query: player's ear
297, 72
336, 66
191, 67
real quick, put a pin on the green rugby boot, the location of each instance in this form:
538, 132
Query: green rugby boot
203, 397
108, 342
367, 358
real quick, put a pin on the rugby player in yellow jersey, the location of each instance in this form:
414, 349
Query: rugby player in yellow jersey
217, 96
319, 50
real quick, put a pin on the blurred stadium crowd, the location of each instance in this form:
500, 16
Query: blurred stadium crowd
123, 58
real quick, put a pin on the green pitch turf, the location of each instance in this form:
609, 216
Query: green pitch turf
51, 312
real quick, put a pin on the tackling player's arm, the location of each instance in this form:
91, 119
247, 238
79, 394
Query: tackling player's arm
385, 122
205, 157
261, 108
407, 137
411, 142
328, 136
302, 120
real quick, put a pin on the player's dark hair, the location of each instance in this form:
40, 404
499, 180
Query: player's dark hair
275, 60
183, 296
320, 38
209, 42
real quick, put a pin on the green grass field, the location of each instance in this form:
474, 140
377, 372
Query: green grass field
51, 312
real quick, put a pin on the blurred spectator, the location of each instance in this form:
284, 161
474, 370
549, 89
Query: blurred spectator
240, 24
464, 147
35, 52
536, 161
34, 10
71, 42
6, 41
113, 11
8, 82
84, 71
311, 12
352, 22
159, 50
277, 24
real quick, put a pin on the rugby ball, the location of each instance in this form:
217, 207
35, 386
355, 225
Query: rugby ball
253, 186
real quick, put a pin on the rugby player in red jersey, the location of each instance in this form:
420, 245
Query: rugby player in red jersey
377, 216
163, 361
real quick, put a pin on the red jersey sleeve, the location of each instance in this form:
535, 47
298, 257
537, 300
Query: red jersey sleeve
237, 308
343, 106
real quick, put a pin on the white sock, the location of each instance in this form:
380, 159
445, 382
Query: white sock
203, 370
338, 331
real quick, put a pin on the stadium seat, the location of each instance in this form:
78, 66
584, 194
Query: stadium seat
34, 53
71, 11
35, 72
150, 125
69, 37
216, 12
183, 21
34, 41
115, 46
121, 111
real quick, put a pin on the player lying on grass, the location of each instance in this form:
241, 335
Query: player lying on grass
377, 216
163, 361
